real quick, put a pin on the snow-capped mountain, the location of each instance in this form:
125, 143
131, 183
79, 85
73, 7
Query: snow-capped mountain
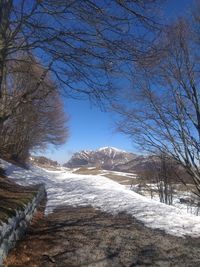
105, 157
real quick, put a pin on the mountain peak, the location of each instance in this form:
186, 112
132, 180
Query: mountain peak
104, 157
111, 148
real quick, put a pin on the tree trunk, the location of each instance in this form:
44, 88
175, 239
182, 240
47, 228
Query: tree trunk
5, 9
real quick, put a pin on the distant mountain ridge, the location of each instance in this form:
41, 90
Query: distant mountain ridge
43, 161
138, 164
106, 158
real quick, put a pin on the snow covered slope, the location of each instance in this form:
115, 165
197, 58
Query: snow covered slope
64, 187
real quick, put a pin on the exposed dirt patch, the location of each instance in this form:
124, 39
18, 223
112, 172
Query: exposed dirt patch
74, 237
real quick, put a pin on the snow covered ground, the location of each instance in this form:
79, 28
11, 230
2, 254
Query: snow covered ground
66, 188
190, 205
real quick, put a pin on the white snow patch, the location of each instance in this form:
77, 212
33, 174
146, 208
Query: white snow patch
64, 187
110, 149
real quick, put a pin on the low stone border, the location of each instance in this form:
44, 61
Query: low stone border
15, 228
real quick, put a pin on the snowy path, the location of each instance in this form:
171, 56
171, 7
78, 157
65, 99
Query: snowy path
100, 192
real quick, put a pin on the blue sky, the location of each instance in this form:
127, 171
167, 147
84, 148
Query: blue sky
90, 128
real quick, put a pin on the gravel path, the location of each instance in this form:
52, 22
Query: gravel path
74, 237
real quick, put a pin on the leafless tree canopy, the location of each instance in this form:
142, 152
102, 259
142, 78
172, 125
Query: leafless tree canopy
163, 110
80, 42
73, 48
163, 113
35, 120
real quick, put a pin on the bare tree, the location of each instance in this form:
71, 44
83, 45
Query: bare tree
164, 111
35, 123
163, 170
71, 47
159, 177
79, 42
23, 84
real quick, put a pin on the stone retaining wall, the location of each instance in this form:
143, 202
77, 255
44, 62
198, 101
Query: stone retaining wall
15, 228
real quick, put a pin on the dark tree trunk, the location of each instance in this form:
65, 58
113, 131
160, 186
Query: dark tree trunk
5, 9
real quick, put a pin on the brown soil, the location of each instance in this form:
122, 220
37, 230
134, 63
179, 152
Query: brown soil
74, 237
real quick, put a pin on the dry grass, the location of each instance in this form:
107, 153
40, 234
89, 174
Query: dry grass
122, 179
86, 171
13, 196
